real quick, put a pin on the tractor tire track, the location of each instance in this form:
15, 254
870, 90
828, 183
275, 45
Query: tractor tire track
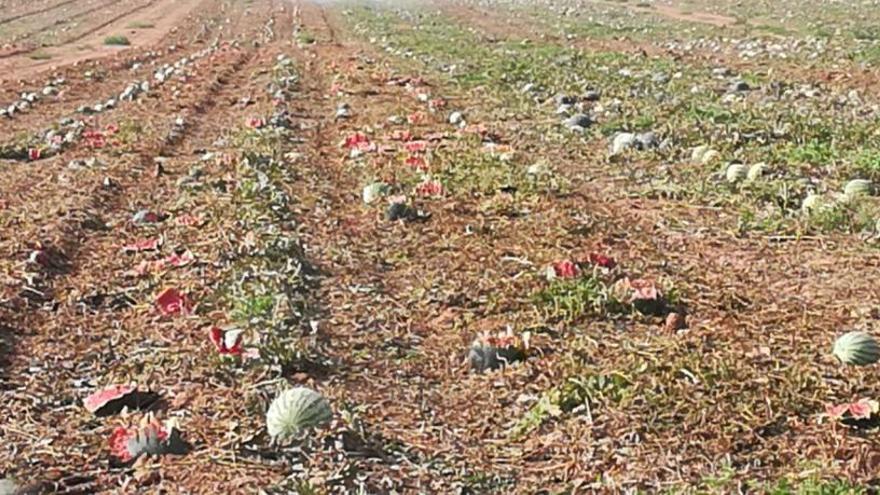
329, 27
82, 35
66, 20
36, 12
111, 21
79, 91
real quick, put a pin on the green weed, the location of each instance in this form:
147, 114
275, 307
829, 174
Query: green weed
117, 40
578, 394
570, 299
39, 55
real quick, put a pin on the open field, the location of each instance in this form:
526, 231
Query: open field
649, 221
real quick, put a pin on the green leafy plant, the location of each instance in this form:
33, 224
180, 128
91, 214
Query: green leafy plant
854, 215
117, 40
254, 307
305, 38
40, 55
576, 394
570, 299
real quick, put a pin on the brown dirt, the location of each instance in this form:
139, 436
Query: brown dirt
163, 14
188, 37
11, 14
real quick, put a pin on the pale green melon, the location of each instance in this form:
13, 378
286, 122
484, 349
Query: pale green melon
375, 191
8, 487
812, 203
709, 157
294, 411
856, 348
698, 153
756, 171
858, 187
704, 155
736, 172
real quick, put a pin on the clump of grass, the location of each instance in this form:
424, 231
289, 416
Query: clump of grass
40, 55
477, 172
141, 25
869, 54
305, 38
843, 216
867, 33
816, 487
576, 395
129, 132
117, 40
253, 308
569, 299
768, 222
813, 152
779, 30
867, 163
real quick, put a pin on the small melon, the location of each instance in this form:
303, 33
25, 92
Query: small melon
295, 410
857, 348
8, 487
710, 157
736, 172
704, 155
622, 141
756, 171
539, 169
375, 191
578, 122
812, 203
400, 211
858, 187
698, 152
485, 357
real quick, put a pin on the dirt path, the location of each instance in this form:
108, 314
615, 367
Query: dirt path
163, 15
29, 13
110, 76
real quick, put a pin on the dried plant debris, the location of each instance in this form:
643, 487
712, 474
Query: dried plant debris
278, 219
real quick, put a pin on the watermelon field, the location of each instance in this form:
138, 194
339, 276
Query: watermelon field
439, 246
